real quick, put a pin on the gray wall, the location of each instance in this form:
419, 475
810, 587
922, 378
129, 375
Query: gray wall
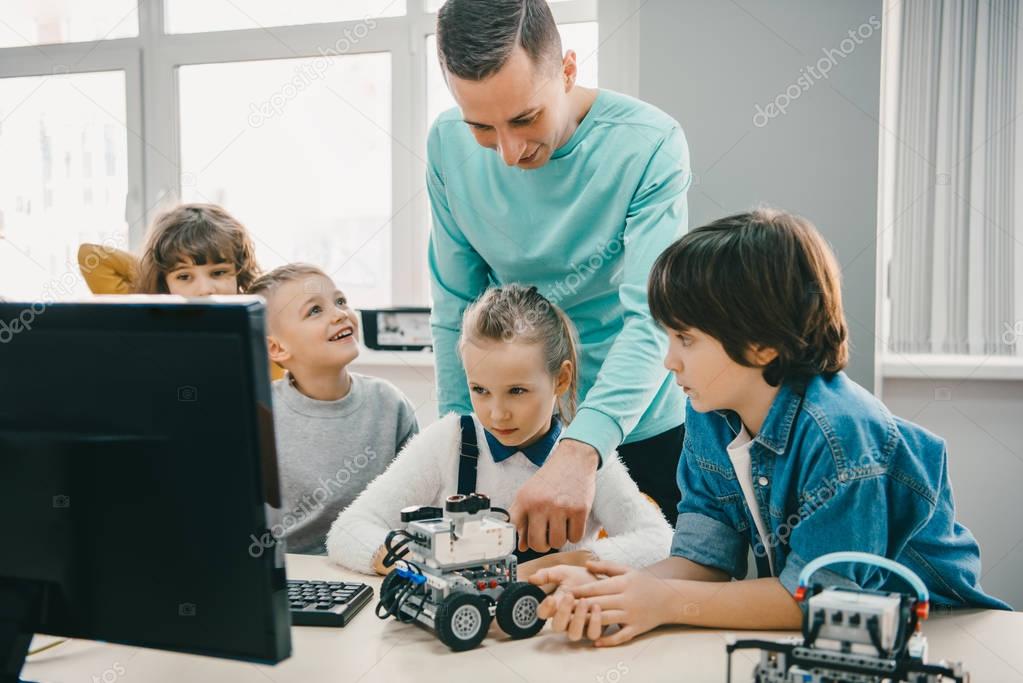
981, 422
710, 64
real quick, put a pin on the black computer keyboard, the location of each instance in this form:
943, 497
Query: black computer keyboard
326, 603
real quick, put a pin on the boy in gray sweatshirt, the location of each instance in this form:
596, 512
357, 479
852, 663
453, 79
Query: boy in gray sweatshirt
336, 430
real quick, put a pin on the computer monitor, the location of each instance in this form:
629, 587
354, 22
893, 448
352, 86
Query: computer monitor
137, 462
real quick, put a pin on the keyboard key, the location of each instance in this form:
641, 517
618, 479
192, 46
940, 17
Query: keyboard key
326, 603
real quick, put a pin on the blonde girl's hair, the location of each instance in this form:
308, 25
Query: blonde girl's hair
197, 233
521, 314
267, 283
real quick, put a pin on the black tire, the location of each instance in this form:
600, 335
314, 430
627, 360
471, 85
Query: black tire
516, 610
389, 589
462, 621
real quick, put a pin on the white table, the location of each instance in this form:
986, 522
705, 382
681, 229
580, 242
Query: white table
369, 650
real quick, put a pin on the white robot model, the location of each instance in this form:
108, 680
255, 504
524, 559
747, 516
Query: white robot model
853, 636
456, 570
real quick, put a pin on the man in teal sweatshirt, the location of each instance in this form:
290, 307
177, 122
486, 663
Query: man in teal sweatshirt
536, 180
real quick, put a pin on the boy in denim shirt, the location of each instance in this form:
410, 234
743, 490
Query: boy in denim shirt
783, 452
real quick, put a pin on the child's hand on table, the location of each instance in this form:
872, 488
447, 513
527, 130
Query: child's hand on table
554, 570
563, 577
633, 599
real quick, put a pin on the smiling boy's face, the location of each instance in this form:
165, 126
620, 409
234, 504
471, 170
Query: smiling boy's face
188, 279
512, 393
311, 326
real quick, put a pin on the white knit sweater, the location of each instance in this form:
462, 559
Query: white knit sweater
426, 473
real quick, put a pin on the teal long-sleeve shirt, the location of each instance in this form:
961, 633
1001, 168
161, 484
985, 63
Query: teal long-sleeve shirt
585, 229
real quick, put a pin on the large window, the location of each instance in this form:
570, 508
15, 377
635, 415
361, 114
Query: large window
952, 184
63, 178
307, 120
315, 167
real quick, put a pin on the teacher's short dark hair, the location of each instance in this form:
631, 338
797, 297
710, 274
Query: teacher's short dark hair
766, 278
476, 37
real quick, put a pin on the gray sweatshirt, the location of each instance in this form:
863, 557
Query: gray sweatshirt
328, 451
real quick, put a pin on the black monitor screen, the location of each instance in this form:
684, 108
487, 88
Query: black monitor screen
136, 462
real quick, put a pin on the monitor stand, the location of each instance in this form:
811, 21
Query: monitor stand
18, 601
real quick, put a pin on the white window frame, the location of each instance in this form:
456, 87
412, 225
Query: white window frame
150, 61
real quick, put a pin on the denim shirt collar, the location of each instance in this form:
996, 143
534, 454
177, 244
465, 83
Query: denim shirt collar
536, 453
774, 433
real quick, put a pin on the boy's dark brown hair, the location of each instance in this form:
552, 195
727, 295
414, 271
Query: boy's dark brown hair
200, 233
761, 279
